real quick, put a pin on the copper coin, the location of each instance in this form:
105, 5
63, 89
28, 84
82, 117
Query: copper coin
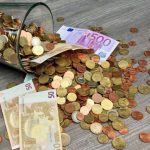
1, 139
69, 108
142, 62
80, 116
97, 98
137, 115
107, 129
144, 137
84, 110
85, 86
49, 46
71, 90
124, 45
83, 98
147, 53
74, 58
95, 58
148, 82
134, 30
81, 68
117, 74
132, 43
132, 103
111, 134
124, 131
113, 97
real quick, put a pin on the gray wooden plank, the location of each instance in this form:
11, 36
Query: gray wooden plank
116, 16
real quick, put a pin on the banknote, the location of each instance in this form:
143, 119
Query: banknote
39, 127
10, 109
59, 48
102, 44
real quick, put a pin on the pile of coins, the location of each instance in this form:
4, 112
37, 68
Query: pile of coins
33, 42
92, 95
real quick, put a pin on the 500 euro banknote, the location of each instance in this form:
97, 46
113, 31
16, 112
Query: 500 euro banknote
101, 44
39, 122
9, 103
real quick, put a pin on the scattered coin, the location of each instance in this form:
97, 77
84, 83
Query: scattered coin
11, 84
134, 30
118, 143
65, 139
144, 137
96, 128
148, 109
6, 135
137, 115
60, 19
1, 139
103, 139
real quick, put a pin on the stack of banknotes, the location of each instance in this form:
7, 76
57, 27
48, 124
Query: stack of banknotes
31, 118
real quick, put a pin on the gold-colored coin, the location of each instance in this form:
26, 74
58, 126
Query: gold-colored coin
1, 45
61, 92
61, 61
103, 117
113, 115
96, 128
87, 75
76, 105
84, 125
123, 64
27, 50
106, 82
89, 119
105, 64
42, 88
97, 109
118, 143
23, 41
106, 104
50, 70
11, 84
61, 100
8, 52
60, 19
43, 79
144, 89
118, 125
6, 135
90, 64
4, 38
97, 76
66, 82
103, 139
71, 97
123, 102
124, 112
148, 109
65, 139
133, 90
37, 50
117, 81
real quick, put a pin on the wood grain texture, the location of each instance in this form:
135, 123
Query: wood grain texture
116, 16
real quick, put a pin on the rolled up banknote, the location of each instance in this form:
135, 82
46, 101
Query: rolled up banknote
9, 104
39, 123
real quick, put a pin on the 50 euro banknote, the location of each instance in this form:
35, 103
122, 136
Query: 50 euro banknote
39, 122
9, 100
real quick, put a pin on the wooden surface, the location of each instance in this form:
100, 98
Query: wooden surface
116, 16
